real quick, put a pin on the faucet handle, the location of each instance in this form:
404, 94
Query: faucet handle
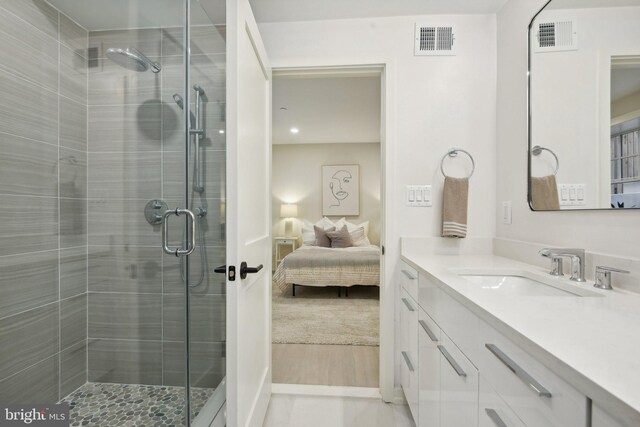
556, 261
603, 276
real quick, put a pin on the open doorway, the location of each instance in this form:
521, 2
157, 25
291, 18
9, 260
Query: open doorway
327, 181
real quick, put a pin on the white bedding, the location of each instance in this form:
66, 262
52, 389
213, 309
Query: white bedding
317, 266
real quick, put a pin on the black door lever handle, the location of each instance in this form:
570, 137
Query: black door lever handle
222, 269
244, 270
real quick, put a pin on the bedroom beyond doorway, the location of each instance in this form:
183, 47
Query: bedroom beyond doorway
326, 226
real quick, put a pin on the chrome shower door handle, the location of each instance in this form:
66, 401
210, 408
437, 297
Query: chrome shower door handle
191, 238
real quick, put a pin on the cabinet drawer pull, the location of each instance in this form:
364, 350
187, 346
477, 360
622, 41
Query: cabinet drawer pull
407, 361
429, 332
493, 416
451, 361
408, 304
520, 373
409, 275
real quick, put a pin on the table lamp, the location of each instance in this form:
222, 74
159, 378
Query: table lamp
288, 211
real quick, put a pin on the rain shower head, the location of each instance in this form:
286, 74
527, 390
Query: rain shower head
132, 59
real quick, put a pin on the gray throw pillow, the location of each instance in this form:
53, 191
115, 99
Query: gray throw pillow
322, 239
340, 238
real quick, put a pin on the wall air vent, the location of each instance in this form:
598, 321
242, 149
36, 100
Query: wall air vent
555, 36
434, 40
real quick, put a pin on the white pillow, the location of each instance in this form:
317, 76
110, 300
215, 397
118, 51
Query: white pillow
308, 234
351, 226
358, 238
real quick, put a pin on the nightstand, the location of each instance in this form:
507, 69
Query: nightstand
281, 243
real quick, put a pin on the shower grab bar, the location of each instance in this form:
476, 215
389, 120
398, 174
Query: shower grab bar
191, 238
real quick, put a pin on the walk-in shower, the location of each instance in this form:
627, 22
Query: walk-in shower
93, 312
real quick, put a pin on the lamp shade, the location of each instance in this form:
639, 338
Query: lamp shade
288, 211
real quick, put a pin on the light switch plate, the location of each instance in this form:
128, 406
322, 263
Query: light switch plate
572, 194
506, 212
418, 195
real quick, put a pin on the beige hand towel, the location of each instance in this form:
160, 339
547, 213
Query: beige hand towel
454, 207
544, 193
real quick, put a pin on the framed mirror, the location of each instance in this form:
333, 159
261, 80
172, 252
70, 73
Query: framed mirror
584, 105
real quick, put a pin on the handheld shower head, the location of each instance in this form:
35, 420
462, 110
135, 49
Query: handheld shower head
178, 99
132, 59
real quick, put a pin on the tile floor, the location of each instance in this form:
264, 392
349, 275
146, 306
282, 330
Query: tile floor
287, 410
109, 405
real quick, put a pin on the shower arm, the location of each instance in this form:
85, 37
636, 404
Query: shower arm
198, 132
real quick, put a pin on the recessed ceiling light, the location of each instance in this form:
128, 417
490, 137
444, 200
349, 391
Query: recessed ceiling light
295, 130
283, 108
221, 131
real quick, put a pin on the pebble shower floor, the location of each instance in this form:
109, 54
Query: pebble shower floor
115, 405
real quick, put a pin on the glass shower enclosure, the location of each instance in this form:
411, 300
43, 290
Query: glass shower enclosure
112, 178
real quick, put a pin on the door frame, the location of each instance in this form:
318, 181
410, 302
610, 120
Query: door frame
385, 69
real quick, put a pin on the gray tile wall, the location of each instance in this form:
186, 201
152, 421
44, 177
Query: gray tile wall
43, 185
135, 154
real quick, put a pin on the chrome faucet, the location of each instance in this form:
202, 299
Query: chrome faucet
577, 261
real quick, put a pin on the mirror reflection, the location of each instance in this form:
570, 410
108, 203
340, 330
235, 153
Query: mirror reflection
584, 117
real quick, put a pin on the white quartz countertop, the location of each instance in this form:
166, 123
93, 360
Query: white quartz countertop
594, 342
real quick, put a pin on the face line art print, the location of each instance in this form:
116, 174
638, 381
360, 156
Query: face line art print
338, 178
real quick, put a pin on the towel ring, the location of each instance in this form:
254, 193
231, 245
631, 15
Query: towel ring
453, 153
537, 150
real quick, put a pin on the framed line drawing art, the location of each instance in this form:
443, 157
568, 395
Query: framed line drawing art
341, 190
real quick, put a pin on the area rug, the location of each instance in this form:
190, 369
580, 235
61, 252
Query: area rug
317, 316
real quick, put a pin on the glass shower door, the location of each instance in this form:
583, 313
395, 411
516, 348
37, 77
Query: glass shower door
207, 289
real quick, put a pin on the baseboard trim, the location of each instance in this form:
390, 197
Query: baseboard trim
325, 390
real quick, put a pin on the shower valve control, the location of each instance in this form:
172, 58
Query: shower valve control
153, 211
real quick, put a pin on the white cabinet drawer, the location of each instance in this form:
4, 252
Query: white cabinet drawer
538, 396
429, 295
409, 279
600, 418
428, 371
458, 387
408, 354
494, 412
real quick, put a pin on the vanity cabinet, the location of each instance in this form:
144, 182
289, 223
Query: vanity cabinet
409, 280
409, 350
536, 394
458, 387
428, 370
493, 411
463, 372
602, 419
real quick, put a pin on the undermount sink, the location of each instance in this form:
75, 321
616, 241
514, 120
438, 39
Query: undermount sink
525, 284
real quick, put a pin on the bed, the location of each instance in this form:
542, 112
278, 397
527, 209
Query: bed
318, 266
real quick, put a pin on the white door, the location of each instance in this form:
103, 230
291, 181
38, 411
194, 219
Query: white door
248, 208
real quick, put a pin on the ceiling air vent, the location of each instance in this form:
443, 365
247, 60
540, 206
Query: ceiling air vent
556, 36
434, 40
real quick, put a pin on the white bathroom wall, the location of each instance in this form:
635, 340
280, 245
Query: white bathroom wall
296, 178
441, 102
434, 103
615, 233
